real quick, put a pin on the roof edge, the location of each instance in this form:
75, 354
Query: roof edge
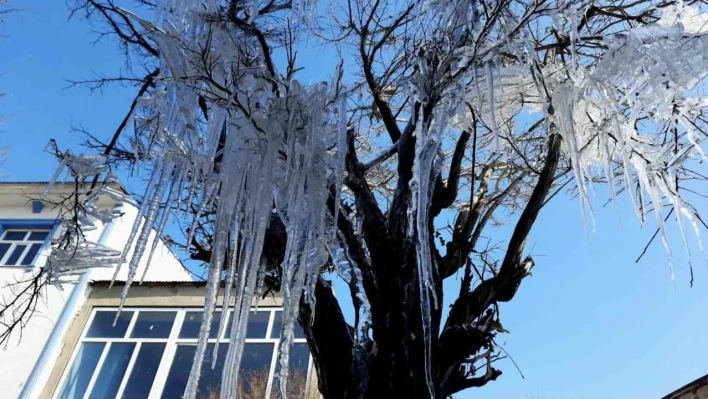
695, 383
42, 182
106, 283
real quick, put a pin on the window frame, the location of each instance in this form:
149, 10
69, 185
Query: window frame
172, 342
48, 225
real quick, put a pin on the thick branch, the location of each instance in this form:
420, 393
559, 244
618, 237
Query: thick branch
501, 288
330, 340
447, 194
357, 254
533, 207
374, 223
384, 110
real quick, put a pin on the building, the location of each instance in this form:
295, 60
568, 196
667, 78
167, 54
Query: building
70, 348
697, 389
150, 351
26, 227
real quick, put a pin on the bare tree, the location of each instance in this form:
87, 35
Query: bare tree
429, 120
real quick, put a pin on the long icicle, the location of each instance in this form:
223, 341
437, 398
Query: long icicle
147, 228
174, 192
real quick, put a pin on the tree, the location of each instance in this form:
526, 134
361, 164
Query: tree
470, 112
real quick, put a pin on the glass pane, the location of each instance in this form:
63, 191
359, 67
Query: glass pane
31, 254
102, 325
3, 249
299, 358
112, 370
153, 325
257, 324
38, 235
15, 235
80, 373
144, 370
278, 324
298, 362
255, 369
193, 321
209, 380
15, 256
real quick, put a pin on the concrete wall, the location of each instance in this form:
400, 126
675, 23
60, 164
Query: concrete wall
19, 357
145, 296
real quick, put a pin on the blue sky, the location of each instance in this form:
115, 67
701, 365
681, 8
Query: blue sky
589, 323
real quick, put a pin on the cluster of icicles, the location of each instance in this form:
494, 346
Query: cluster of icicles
287, 154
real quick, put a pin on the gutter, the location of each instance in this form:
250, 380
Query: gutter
61, 325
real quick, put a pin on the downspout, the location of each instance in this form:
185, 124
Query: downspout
65, 317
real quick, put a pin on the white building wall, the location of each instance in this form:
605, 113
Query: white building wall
165, 266
20, 356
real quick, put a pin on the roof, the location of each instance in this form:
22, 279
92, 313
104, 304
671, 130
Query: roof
688, 387
106, 283
44, 183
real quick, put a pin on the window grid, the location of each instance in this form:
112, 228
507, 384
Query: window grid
172, 342
20, 247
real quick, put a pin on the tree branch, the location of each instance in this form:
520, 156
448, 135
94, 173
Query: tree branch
330, 340
373, 219
447, 194
501, 288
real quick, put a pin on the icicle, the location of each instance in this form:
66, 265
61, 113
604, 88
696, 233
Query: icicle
156, 173
664, 182
341, 155
232, 201
141, 243
562, 103
174, 191
209, 194
53, 180
687, 214
427, 145
658, 205
490, 98
212, 290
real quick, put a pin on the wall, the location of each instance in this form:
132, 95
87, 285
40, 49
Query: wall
19, 357
165, 266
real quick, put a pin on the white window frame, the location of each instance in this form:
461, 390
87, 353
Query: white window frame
171, 344
26, 242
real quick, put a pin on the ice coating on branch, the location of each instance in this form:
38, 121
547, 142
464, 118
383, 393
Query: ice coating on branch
72, 253
351, 274
641, 78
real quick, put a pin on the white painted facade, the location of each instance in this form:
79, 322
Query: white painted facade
28, 358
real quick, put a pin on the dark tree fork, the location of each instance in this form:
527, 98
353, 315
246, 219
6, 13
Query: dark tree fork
389, 43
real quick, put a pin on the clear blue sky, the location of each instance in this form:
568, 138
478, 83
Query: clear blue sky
590, 323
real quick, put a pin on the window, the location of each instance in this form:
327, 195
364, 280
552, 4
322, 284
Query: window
148, 353
19, 247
